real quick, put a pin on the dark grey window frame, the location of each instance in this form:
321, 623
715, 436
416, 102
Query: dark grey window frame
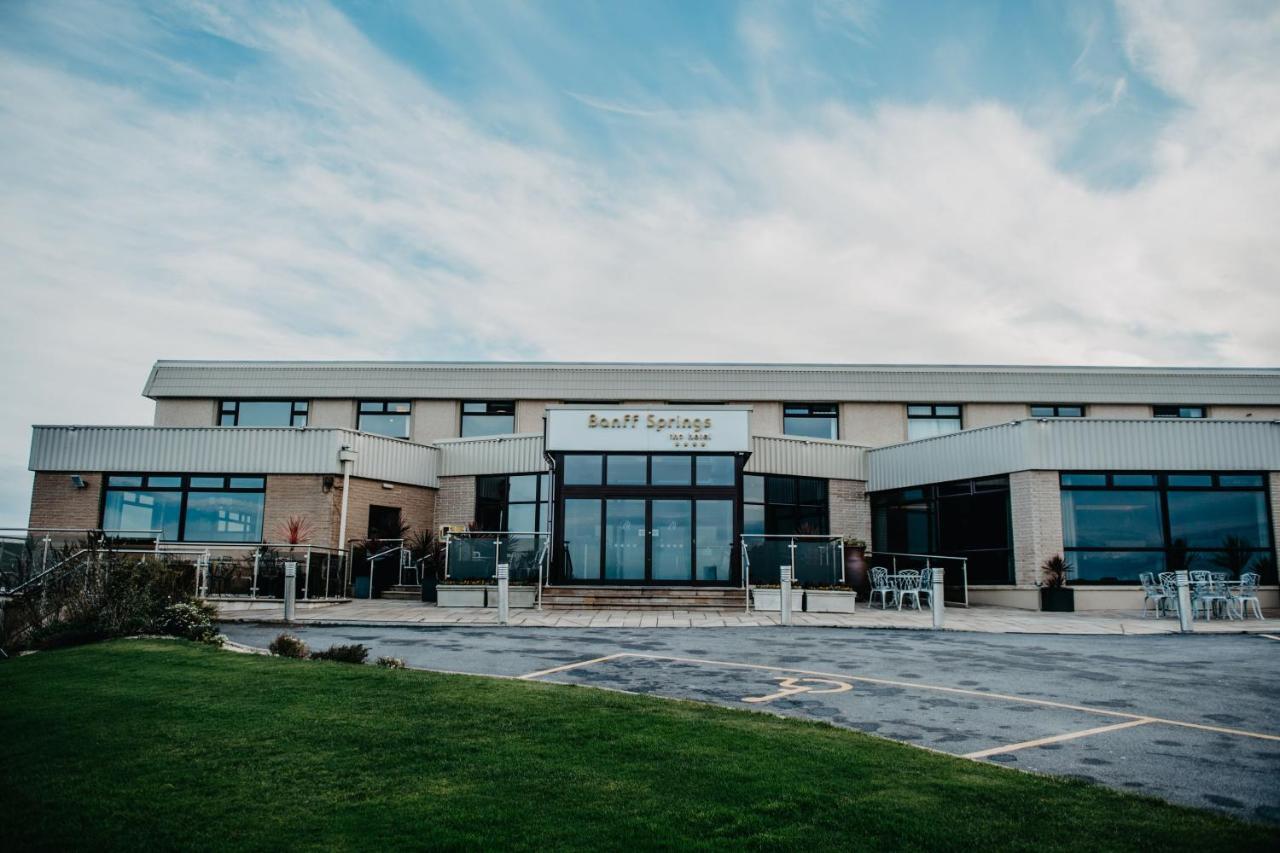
807, 411
487, 413
297, 409
1056, 410
185, 488
385, 403
1175, 412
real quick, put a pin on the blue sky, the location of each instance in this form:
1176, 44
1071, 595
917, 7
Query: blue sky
1083, 182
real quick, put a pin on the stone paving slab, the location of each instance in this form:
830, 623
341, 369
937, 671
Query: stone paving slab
1000, 620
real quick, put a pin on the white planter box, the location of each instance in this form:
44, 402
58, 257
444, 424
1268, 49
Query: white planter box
771, 600
829, 600
517, 596
459, 596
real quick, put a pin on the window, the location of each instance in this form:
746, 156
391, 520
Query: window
927, 420
1117, 525
811, 420
384, 417
262, 413
1178, 411
777, 505
488, 418
1074, 411
513, 504
199, 508
966, 518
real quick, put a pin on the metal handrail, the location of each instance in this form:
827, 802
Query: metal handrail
928, 558
46, 572
542, 537
746, 556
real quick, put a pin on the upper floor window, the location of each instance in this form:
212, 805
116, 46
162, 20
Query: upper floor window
811, 420
1073, 411
488, 417
927, 420
1178, 411
384, 417
262, 413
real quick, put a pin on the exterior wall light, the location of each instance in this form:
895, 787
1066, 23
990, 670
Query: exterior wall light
77, 482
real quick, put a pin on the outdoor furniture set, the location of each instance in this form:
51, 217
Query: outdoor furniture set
1212, 593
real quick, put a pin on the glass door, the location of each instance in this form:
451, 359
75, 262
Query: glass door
671, 540
625, 537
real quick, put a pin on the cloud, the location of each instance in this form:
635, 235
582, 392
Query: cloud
319, 199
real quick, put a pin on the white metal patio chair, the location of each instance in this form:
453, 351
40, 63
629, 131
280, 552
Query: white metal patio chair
1211, 595
880, 584
926, 585
1246, 592
1154, 594
1168, 582
906, 584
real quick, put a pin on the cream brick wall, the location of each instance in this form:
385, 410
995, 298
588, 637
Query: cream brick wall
334, 414
456, 501
766, 419
1117, 410
529, 414
976, 415
301, 495
57, 503
186, 413
417, 505
873, 424
849, 508
1262, 413
1036, 507
434, 419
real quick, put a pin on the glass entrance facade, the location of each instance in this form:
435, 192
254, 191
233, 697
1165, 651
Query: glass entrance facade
637, 518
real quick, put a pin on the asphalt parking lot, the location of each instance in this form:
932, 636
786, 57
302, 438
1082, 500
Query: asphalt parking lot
1191, 719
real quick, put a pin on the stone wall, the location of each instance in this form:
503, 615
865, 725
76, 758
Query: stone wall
55, 502
417, 505
849, 508
305, 496
456, 501
1036, 507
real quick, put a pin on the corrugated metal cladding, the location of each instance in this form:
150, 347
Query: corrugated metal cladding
721, 382
223, 450
829, 459
1070, 444
507, 454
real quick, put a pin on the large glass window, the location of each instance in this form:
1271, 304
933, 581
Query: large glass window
1178, 411
1057, 411
811, 420
582, 535
262, 413
384, 417
627, 470
1117, 525
200, 508
782, 506
925, 420
967, 518
488, 417
519, 503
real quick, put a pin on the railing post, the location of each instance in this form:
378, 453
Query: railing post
44, 559
306, 577
784, 576
935, 598
253, 590
1184, 601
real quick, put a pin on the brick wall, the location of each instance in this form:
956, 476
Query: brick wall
1275, 510
456, 502
417, 505
301, 495
1036, 507
57, 503
849, 508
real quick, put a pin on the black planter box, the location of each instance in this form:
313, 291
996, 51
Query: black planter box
1057, 599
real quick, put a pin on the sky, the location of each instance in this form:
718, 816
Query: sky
837, 180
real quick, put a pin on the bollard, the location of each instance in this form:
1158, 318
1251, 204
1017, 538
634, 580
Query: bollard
786, 594
504, 592
1184, 601
290, 592
936, 603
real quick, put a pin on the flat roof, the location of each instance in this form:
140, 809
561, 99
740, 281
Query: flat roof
719, 382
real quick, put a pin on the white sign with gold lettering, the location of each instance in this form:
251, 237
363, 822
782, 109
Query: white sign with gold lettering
680, 430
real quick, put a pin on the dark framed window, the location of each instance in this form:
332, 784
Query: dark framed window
811, 420
384, 417
1116, 525
516, 503
965, 518
778, 506
262, 413
1057, 411
1178, 411
488, 417
925, 420
186, 508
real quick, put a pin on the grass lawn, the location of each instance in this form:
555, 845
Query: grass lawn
153, 744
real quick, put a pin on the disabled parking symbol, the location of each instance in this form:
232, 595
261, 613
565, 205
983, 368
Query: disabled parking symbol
796, 686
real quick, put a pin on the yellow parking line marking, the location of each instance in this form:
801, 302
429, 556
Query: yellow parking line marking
1026, 700
1269, 636
569, 666
792, 687
1027, 744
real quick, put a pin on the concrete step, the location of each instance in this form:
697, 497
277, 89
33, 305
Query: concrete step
643, 598
402, 592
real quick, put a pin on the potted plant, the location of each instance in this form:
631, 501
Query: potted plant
855, 562
461, 592
1055, 595
829, 599
768, 597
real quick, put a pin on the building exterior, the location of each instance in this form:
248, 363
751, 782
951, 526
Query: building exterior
1122, 470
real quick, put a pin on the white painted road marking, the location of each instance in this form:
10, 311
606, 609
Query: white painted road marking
792, 687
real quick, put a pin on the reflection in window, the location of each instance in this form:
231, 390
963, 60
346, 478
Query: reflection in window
811, 420
928, 420
199, 508
967, 518
627, 470
384, 417
1046, 411
488, 418
262, 413
778, 505
1178, 411
582, 538
519, 503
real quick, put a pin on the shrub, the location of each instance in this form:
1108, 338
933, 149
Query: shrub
390, 662
1056, 572
60, 634
191, 620
343, 654
288, 646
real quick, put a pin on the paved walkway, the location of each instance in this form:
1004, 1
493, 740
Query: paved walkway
997, 620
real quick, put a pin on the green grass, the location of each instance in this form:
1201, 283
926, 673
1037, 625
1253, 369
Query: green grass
150, 744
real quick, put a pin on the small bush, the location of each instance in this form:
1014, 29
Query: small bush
288, 646
61, 634
191, 620
390, 662
343, 654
